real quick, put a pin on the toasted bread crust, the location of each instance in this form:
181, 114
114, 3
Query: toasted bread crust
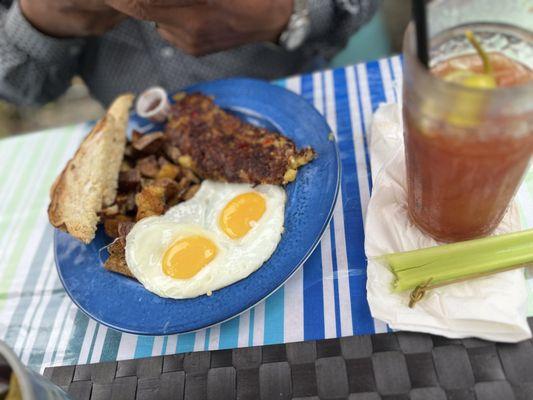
118, 112
89, 180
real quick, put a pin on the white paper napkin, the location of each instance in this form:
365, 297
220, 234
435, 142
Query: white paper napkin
492, 308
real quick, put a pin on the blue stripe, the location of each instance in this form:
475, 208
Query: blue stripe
307, 88
353, 221
280, 82
312, 270
313, 297
336, 280
186, 342
164, 346
274, 317
144, 347
332, 226
229, 334
375, 84
363, 130
377, 96
393, 79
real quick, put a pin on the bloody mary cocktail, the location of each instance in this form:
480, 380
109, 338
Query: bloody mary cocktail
467, 148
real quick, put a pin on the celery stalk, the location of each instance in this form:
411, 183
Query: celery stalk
459, 261
416, 258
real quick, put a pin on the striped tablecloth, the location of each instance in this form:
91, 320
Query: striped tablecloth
326, 298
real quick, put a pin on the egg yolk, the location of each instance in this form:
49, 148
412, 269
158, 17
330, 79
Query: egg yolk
237, 218
187, 256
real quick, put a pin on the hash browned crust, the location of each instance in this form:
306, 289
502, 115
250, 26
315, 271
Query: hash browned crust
219, 146
117, 259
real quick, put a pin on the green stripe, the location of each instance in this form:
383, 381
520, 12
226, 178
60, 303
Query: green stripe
57, 155
16, 323
8, 153
206, 341
9, 165
61, 330
33, 217
251, 328
23, 178
72, 351
46, 324
93, 341
111, 344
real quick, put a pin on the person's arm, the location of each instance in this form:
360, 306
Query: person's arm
34, 68
41, 42
333, 22
200, 27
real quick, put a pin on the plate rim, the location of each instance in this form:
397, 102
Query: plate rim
305, 257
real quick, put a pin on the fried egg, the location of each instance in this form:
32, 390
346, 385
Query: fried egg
220, 236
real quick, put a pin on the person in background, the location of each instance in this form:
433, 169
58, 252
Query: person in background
129, 45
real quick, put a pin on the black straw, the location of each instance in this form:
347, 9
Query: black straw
419, 16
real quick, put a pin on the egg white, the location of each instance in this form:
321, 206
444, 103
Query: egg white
236, 259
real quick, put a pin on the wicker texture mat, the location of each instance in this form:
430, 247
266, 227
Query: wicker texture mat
385, 366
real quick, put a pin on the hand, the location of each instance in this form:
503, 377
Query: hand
70, 18
199, 28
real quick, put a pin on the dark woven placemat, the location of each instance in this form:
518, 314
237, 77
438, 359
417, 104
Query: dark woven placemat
385, 366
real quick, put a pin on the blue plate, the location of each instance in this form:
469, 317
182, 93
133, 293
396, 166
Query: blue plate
122, 303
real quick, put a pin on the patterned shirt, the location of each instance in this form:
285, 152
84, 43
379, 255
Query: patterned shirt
36, 68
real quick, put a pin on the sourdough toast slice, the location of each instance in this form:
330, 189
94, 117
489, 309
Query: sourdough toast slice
89, 180
119, 112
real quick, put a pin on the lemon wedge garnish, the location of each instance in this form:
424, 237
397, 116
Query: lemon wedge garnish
469, 107
471, 79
